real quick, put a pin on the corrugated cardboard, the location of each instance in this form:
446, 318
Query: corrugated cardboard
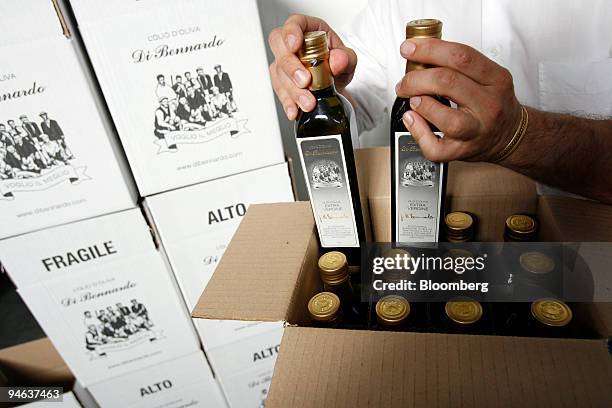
35, 363
479, 188
574, 220
273, 260
568, 219
343, 368
340, 368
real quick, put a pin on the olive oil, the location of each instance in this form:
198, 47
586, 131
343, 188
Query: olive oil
324, 141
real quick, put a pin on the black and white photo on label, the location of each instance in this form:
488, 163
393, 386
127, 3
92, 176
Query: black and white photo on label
195, 108
418, 173
326, 174
117, 327
34, 155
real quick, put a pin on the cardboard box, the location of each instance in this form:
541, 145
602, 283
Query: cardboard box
182, 382
61, 163
168, 146
480, 188
35, 363
364, 368
110, 319
59, 251
244, 367
195, 224
68, 401
587, 222
383, 368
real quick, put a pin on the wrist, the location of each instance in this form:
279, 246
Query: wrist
534, 127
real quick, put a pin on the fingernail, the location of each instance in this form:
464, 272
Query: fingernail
415, 101
304, 100
291, 112
300, 77
407, 48
408, 119
291, 39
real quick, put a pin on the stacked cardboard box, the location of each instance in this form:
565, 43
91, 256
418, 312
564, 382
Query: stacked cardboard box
194, 225
186, 84
59, 160
94, 286
344, 368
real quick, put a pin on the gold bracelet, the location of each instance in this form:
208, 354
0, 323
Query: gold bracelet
517, 138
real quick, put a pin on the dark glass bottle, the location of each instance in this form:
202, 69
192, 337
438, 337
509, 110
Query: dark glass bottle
511, 316
326, 154
334, 273
418, 186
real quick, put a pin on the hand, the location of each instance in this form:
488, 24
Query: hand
487, 113
290, 77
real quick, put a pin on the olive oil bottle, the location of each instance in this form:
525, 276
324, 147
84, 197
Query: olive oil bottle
326, 154
418, 186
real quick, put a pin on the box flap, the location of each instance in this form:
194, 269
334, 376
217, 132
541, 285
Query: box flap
574, 220
269, 256
343, 368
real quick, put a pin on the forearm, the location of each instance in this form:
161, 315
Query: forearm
572, 153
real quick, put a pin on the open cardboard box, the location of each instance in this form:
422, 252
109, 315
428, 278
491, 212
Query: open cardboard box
269, 272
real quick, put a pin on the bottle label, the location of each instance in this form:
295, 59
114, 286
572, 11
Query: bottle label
324, 167
418, 191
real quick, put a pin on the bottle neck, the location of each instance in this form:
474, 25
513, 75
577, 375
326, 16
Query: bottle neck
415, 66
320, 71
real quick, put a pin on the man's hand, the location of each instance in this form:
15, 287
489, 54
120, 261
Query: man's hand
487, 113
290, 77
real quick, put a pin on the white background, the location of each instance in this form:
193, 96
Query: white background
337, 13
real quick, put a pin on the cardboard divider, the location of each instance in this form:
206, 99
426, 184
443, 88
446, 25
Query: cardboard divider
257, 276
343, 368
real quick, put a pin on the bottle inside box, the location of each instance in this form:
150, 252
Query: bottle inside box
547, 317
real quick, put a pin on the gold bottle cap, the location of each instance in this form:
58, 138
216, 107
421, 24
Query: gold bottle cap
537, 262
424, 28
395, 275
314, 46
392, 309
551, 312
458, 221
463, 310
333, 268
521, 224
324, 306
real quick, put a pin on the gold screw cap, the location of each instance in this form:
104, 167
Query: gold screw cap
392, 309
324, 306
551, 312
463, 310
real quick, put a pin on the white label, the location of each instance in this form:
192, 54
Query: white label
324, 167
418, 192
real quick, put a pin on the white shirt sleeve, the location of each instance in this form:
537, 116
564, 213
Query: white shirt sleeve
369, 85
